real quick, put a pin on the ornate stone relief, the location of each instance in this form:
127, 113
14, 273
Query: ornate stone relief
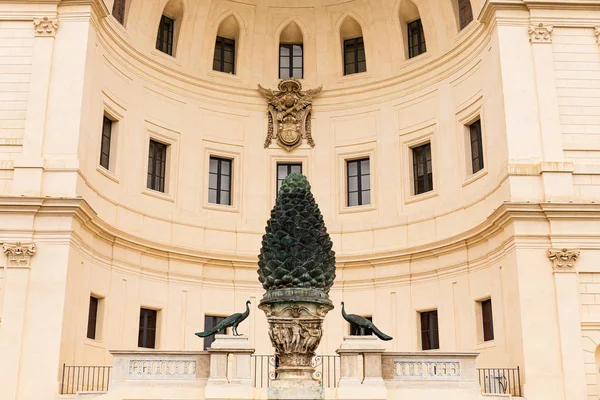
19, 254
563, 259
597, 33
45, 26
540, 33
289, 113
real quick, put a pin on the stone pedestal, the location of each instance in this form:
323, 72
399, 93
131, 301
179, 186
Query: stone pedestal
361, 372
224, 383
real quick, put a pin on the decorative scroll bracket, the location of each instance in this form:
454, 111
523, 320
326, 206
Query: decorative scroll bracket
45, 27
19, 254
563, 260
540, 33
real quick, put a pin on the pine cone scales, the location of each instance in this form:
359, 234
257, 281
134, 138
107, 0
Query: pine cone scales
296, 249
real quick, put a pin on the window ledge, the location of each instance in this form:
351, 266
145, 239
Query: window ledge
357, 209
417, 58
166, 57
224, 75
356, 76
94, 342
485, 345
221, 207
109, 174
473, 177
419, 197
158, 195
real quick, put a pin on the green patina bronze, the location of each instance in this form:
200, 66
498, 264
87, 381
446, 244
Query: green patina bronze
296, 262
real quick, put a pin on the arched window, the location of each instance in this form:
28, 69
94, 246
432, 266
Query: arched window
119, 10
291, 52
410, 20
355, 60
225, 45
465, 13
169, 27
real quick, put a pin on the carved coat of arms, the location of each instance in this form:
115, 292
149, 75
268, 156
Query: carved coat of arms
289, 113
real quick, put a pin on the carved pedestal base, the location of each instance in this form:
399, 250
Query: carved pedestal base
295, 331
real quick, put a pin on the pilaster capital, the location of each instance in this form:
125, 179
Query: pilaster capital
19, 254
45, 26
563, 260
540, 33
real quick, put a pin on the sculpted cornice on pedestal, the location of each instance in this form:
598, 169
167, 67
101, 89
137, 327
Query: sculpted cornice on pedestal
19, 254
45, 26
563, 260
540, 33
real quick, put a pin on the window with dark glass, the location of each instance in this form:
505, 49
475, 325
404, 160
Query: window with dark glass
291, 61
476, 146
224, 58
283, 170
157, 166
416, 39
354, 56
147, 332
429, 330
92, 317
118, 11
359, 182
422, 169
356, 330
488, 322
166, 33
219, 181
209, 323
465, 13
107, 125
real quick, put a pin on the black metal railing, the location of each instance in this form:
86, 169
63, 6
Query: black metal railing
327, 370
84, 378
500, 380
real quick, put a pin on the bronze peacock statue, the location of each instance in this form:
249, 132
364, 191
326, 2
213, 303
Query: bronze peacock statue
364, 323
232, 321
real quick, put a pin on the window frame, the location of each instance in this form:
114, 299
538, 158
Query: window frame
223, 40
217, 320
289, 166
119, 11
143, 328
487, 334
151, 176
431, 334
92, 325
107, 124
428, 184
465, 13
475, 129
421, 46
359, 190
169, 42
291, 57
218, 189
356, 52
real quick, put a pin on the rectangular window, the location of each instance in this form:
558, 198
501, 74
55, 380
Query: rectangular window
107, 126
283, 170
465, 12
224, 58
166, 33
291, 61
476, 146
157, 166
219, 181
416, 39
118, 11
356, 330
209, 323
429, 330
92, 317
487, 320
359, 182
422, 169
354, 56
147, 332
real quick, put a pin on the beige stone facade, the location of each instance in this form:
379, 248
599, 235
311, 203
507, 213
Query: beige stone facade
529, 70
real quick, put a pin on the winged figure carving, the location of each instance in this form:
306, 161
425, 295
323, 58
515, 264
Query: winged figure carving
289, 111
